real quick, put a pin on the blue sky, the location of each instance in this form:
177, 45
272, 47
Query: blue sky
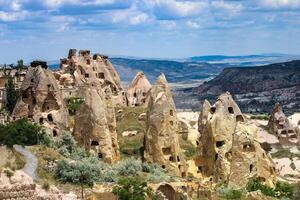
46, 29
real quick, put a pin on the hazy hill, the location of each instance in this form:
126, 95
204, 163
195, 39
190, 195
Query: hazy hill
256, 88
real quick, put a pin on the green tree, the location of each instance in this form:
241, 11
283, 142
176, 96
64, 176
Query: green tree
11, 95
20, 132
20, 64
83, 172
132, 189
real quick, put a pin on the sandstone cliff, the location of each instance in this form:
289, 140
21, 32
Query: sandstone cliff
41, 99
137, 92
161, 138
280, 126
229, 151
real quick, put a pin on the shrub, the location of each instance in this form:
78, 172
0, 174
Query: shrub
20, 132
73, 104
8, 173
281, 190
230, 193
129, 167
132, 189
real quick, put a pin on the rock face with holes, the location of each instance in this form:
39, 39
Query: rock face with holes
137, 92
161, 138
41, 99
95, 124
280, 126
95, 70
229, 151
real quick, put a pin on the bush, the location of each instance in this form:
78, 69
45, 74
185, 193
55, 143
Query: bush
129, 167
281, 190
73, 104
132, 189
8, 173
229, 193
46, 186
20, 132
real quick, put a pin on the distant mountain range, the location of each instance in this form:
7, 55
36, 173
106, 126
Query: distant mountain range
256, 89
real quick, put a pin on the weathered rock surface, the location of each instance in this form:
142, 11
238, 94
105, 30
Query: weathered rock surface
21, 186
94, 70
161, 139
41, 99
137, 91
280, 126
95, 124
229, 151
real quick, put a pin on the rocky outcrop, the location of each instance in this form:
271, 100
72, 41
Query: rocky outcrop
161, 138
41, 99
95, 124
229, 151
280, 126
93, 70
137, 91
21, 186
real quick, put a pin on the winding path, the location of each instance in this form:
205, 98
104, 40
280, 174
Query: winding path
31, 161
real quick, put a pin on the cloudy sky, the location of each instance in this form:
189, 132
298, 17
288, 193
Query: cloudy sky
46, 29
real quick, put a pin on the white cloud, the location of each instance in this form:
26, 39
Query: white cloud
175, 8
12, 16
280, 3
193, 24
167, 24
232, 7
58, 3
139, 19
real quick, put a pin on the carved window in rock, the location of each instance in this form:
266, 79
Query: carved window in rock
197, 143
179, 166
172, 159
230, 110
284, 132
86, 75
171, 112
100, 156
291, 131
178, 159
88, 62
280, 126
50, 118
54, 133
293, 136
134, 95
166, 150
261, 179
239, 118
171, 123
251, 168
41, 120
94, 143
228, 155
183, 174
32, 80
144, 93
50, 103
248, 147
101, 75
220, 143
216, 156
212, 110
163, 166
200, 169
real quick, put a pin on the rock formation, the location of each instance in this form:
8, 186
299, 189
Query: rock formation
280, 126
41, 99
161, 139
21, 186
137, 91
95, 124
95, 70
229, 151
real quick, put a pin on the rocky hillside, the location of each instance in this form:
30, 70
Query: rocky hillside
256, 88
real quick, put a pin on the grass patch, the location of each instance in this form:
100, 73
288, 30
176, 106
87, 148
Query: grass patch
127, 120
260, 117
189, 149
15, 160
131, 146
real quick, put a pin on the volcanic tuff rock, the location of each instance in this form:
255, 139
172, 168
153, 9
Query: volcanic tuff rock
280, 126
94, 70
95, 124
161, 139
137, 91
41, 99
229, 152
256, 89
